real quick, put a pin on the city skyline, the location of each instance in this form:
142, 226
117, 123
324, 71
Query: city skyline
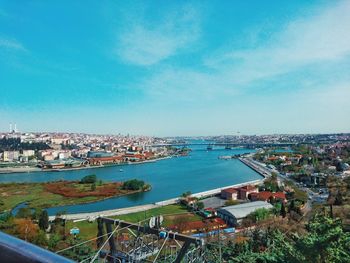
185, 68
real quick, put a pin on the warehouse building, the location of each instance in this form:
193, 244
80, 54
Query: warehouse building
234, 214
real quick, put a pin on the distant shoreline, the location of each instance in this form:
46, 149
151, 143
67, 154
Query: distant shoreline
11, 170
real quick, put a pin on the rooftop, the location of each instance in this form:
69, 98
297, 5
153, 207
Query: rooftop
242, 210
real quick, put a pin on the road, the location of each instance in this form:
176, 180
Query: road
263, 169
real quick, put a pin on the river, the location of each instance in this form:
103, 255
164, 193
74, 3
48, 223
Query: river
169, 178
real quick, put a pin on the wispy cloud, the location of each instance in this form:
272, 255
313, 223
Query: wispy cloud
11, 44
144, 44
314, 39
314, 43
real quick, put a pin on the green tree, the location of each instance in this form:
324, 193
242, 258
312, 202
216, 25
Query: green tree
41, 239
133, 184
283, 210
89, 179
186, 194
200, 205
44, 220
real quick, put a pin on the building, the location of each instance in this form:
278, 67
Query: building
229, 194
28, 153
245, 191
232, 215
238, 193
268, 196
10, 156
105, 160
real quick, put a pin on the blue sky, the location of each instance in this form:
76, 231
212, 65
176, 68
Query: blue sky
175, 67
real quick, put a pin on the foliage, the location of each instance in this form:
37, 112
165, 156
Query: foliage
24, 212
15, 144
44, 220
325, 241
25, 229
186, 194
200, 205
283, 210
89, 179
78, 253
259, 214
271, 183
40, 239
133, 184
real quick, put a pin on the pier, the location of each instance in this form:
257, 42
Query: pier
255, 166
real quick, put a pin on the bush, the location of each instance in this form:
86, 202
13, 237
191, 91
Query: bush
133, 184
89, 179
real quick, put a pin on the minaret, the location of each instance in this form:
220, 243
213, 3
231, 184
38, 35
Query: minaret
10, 127
15, 129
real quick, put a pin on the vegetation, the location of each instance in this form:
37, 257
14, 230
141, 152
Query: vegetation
323, 241
186, 194
15, 144
89, 179
43, 195
134, 185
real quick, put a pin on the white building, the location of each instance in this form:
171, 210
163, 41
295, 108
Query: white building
28, 153
235, 213
10, 156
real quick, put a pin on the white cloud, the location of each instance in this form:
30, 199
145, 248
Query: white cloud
143, 45
321, 37
11, 44
318, 40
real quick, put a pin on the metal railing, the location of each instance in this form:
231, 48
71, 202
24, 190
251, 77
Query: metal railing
13, 250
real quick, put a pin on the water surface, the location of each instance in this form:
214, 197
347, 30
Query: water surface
200, 171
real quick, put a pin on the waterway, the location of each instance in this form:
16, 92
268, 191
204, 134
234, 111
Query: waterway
169, 178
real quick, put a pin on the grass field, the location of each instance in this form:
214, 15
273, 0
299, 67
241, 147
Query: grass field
170, 213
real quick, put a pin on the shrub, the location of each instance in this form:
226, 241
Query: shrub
89, 179
133, 184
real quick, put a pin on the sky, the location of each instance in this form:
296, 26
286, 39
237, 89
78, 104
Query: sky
175, 68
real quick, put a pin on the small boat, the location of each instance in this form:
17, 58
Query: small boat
121, 170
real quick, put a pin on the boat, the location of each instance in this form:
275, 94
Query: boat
209, 147
121, 170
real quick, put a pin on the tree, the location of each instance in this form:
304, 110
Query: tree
133, 184
89, 179
24, 212
291, 206
25, 229
259, 214
186, 194
44, 220
283, 210
93, 187
41, 239
200, 205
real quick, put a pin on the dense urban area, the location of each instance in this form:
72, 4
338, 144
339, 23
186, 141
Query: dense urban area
298, 212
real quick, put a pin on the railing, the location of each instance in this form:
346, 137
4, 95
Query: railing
13, 250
